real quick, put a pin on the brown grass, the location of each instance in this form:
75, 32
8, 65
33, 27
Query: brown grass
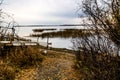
6, 72
58, 66
17, 59
24, 57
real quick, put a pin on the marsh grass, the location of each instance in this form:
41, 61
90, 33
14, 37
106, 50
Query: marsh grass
41, 30
67, 33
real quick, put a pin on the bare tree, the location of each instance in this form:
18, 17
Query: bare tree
94, 51
7, 25
105, 14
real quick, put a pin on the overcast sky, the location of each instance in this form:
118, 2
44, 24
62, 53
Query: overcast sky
43, 11
29, 12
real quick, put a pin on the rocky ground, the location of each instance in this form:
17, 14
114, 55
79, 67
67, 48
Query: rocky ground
56, 66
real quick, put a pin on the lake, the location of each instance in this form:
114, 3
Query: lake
56, 42
59, 42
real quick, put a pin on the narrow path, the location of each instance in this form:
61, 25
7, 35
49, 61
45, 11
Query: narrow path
56, 66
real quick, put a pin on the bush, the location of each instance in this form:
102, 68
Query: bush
24, 57
99, 66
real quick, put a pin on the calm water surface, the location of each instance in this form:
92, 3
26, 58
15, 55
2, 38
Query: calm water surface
59, 42
56, 42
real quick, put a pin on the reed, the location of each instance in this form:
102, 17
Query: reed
67, 33
41, 30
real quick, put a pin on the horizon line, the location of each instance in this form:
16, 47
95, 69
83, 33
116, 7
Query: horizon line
52, 25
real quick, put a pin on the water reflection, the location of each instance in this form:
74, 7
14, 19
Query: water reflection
59, 43
56, 42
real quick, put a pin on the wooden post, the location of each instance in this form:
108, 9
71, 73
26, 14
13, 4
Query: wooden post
47, 41
37, 39
13, 34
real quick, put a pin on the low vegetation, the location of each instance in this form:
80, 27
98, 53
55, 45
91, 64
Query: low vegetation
41, 30
98, 56
67, 33
26, 56
18, 58
6, 72
98, 66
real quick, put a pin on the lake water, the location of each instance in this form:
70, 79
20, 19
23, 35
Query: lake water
59, 42
56, 42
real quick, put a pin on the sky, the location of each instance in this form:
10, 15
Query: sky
42, 12
26, 12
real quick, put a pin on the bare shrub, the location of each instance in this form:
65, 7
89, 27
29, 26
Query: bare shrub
97, 55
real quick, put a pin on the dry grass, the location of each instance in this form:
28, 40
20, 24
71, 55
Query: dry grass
25, 57
56, 66
17, 59
6, 72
